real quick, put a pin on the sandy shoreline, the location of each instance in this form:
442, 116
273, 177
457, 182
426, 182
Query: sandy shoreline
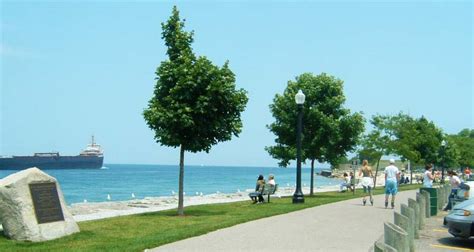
101, 210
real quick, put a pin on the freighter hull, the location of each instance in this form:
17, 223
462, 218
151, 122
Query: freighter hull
51, 162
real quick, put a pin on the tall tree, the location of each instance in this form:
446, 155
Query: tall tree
378, 142
464, 143
195, 104
417, 140
329, 129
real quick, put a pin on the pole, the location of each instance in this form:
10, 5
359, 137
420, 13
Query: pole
442, 164
411, 172
298, 196
353, 179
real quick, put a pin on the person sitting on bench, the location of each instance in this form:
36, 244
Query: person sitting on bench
258, 190
346, 184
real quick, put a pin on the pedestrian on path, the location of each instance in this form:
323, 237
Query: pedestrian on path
428, 176
467, 172
392, 175
367, 181
455, 182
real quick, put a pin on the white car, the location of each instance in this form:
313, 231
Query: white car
460, 220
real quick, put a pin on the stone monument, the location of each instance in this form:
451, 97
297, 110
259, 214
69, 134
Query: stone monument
32, 207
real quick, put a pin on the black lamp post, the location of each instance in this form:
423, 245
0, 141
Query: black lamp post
443, 153
298, 196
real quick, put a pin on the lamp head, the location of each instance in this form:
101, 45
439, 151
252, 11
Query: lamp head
299, 97
443, 143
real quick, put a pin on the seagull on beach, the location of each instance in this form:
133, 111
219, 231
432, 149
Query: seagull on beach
184, 193
172, 192
238, 190
201, 194
85, 201
287, 184
133, 195
197, 193
108, 197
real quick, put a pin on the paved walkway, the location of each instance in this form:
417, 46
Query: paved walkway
341, 226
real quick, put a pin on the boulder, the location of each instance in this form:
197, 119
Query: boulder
32, 207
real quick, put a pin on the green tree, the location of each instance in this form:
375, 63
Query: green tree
417, 140
464, 144
195, 104
378, 142
329, 129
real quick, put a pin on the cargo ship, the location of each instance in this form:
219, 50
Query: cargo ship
92, 157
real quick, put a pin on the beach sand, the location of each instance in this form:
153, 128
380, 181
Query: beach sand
101, 210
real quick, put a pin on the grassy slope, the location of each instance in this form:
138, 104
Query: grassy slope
138, 232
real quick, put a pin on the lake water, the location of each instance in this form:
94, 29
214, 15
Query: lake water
121, 180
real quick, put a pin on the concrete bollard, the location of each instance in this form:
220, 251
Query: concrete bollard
416, 209
428, 203
410, 214
422, 204
443, 194
403, 222
443, 198
448, 189
395, 237
380, 246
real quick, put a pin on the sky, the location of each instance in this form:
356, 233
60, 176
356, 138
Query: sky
77, 68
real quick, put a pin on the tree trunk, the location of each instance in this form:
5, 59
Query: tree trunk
181, 182
312, 178
376, 171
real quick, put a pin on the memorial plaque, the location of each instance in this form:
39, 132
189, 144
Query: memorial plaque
46, 202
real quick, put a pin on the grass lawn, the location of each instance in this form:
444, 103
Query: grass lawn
138, 232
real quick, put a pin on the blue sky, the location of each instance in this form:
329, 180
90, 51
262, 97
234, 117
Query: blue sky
69, 70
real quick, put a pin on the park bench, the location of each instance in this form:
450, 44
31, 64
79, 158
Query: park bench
352, 186
268, 190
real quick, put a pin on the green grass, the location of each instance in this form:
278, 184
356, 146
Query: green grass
138, 232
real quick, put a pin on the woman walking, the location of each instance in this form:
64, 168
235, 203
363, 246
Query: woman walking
367, 181
455, 182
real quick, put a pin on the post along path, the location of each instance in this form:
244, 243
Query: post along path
341, 226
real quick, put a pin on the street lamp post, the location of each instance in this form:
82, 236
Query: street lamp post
298, 196
443, 153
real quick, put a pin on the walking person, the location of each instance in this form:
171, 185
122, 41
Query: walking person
392, 175
367, 181
467, 172
455, 182
428, 176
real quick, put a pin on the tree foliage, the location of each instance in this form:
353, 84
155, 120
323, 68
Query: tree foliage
463, 142
195, 104
329, 129
418, 140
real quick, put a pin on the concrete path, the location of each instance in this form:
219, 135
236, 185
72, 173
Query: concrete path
341, 226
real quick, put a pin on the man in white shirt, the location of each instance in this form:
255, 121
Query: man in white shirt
392, 175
